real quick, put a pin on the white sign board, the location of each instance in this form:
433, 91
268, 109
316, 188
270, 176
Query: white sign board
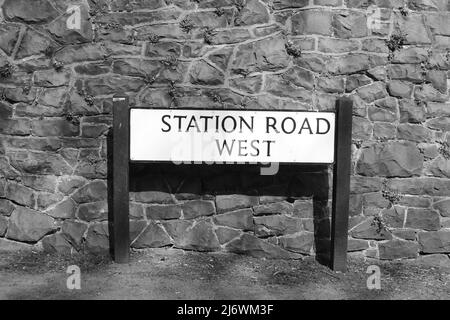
218, 136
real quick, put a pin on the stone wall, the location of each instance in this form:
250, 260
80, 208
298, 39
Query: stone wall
391, 57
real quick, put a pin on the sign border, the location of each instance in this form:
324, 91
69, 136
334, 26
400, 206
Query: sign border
234, 162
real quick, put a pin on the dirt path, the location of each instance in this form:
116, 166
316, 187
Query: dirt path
174, 274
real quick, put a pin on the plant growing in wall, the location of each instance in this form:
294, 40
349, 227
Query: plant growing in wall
357, 142
379, 223
219, 11
393, 196
173, 93
70, 117
153, 38
89, 100
208, 35
99, 7
292, 49
444, 149
216, 98
239, 4
131, 37
6, 70
149, 79
403, 11
395, 43
186, 25
170, 62
57, 65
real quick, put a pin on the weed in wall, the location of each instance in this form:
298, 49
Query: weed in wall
378, 223
216, 98
444, 150
97, 8
292, 49
173, 93
395, 43
170, 61
89, 100
239, 4
149, 79
242, 72
403, 11
357, 142
186, 25
57, 65
6, 71
131, 38
26, 89
219, 11
208, 35
393, 196
73, 119
153, 38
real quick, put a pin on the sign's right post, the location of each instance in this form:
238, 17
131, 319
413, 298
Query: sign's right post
341, 185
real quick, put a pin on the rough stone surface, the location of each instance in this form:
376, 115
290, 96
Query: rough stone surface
424, 219
6, 207
93, 211
239, 219
199, 236
225, 234
56, 243
299, 243
197, 208
20, 10
163, 212
397, 249
152, 237
248, 244
63, 210
3, 226
57, 28
97, 239
273, 208
434, 242
401, 159
93, 191
262, 55
232, 202
8, 37
276, 225
56, 86
254, 12
29, 225
74, 231
205, 74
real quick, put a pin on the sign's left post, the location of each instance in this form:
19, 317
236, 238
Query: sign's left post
120, 176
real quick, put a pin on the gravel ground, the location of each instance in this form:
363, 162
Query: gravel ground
176, 274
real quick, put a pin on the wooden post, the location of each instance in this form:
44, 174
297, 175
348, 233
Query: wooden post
120, 176
341, 185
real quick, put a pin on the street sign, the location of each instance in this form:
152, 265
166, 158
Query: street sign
217, 136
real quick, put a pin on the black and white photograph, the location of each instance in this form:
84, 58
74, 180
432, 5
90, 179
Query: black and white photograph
225, 159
